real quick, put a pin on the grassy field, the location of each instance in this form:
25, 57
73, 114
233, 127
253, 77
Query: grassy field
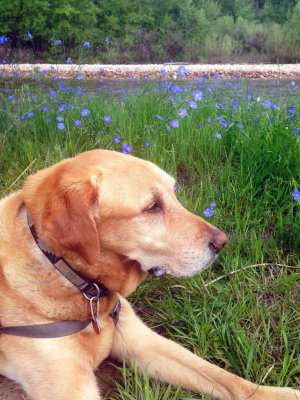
236, 148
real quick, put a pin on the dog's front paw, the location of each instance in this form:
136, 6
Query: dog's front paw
274, 393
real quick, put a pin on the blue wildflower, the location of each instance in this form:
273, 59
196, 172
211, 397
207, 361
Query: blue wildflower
57, 42
208, 213
168, 128
158, 117
197, 95
182, 71
234, 103
85, 112
77, 122
296, 131
293, 83
241, 126
147, 143
296, 194
292, 110
3, 39
209, 90
174, 123
30, 114
79, 76
45, 108
163, 72
213, 205
218, 135
61, 86
176, 89
23, 116
209, 120
176, 187
182, 112
117, 139
222, 121
275, 106
193, 104
86, 45
61, 126
69, 60
107, 40
30, 35
107, 119
267, 104
52, 92
126, 148
60, 119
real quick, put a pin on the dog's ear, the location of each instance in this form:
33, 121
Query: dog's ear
70, 217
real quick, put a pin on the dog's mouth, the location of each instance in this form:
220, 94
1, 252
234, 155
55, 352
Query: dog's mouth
157, 272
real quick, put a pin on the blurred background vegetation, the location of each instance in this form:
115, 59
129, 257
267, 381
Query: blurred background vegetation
146, 31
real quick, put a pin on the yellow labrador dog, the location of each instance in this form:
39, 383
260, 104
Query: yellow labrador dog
74, 242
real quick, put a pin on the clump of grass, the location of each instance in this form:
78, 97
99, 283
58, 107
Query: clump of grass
247, 322
138, 386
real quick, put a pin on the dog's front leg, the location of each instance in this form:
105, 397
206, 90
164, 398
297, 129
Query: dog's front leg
170, 362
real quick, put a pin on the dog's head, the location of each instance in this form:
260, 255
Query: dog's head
103, 201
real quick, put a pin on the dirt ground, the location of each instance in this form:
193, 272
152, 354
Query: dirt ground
153, 71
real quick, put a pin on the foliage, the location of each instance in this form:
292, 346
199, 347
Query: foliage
153, 30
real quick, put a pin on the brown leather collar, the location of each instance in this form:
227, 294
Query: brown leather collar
91, 290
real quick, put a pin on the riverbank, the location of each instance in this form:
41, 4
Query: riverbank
153, 71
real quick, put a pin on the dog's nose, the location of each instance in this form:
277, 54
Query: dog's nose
218, 241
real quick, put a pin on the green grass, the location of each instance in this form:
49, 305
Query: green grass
247, 322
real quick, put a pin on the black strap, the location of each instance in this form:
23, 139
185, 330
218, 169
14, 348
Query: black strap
52, 330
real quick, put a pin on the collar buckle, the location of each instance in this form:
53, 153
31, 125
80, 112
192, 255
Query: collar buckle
95, 316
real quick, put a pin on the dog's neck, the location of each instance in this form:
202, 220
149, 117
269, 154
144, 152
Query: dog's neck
111, 270
89, 288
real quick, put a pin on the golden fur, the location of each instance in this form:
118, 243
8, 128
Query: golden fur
112, 217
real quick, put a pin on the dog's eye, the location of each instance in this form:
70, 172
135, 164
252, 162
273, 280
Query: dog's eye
154, 207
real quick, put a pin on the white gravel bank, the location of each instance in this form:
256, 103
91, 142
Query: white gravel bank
139, 71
